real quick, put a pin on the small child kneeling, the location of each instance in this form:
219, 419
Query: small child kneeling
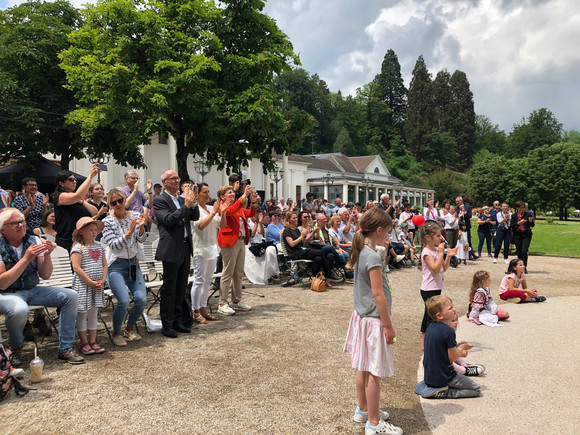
440, 379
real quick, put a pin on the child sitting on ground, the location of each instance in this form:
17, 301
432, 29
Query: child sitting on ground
440, 349
460, 365
515, 276
482, 308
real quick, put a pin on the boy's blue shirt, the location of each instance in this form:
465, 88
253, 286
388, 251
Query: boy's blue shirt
438, 370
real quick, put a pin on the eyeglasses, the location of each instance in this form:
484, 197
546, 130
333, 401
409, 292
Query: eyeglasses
71, 179
133, 178
16, 223
117, 201
32, 185
173, 179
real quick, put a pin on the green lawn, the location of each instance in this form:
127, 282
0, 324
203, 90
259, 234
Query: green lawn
558, 238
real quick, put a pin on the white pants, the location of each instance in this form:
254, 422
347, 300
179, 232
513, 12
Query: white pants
203, 270
90, 317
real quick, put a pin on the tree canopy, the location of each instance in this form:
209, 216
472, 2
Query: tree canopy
33, 100
199, 70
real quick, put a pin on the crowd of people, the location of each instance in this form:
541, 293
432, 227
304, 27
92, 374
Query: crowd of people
238, 234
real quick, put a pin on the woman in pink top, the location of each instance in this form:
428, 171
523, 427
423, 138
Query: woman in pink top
515, 276
433, 265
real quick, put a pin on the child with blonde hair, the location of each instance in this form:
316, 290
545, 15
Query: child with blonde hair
370, 333
90, 273
482, 308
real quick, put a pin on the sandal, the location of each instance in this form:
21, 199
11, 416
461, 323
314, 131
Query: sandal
206, 315
97, 348
199, 318
86, 349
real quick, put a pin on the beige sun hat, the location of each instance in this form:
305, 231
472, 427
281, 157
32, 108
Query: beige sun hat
84, 221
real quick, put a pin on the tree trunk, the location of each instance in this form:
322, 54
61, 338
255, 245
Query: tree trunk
181, 157
64, 161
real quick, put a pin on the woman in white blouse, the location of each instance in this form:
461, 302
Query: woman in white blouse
123, 231
205, 251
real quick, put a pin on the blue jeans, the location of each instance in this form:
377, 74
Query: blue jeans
15, 306
502, 236
119, 281
484, 237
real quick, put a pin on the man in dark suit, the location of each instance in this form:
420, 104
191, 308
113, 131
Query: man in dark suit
173, 214
464, 213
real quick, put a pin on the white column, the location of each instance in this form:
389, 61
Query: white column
345, 192
285, 185
172, 145
325, 191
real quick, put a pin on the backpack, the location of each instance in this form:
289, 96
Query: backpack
7, 381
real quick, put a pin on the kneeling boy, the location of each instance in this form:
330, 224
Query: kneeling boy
440, 350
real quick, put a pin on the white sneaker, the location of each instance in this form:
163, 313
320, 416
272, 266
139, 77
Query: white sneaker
16, 372
495, 260
226, 310
382, 428
506, 261
400, 258
240, 306
362, 417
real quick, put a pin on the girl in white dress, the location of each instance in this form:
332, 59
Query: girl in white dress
463, 244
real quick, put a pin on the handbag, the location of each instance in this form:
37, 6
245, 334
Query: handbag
259, 249
318, 283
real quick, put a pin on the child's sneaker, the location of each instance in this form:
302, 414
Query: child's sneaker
440, 393
382, 428
362, 417
539, 299
474, 370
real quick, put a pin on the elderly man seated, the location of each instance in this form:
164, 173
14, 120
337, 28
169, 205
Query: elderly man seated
23, 258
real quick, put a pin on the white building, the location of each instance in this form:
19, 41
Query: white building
354, 179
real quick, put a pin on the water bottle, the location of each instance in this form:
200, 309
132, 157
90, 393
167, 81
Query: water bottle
36, 366
293, 275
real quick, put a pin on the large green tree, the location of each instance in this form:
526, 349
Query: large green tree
555, 178
197, 69
33, 100
541, 128
488, 136
442, 100
420, 117
310, 93
462, 118
391, 90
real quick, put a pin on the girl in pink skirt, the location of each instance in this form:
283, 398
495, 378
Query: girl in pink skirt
370, 333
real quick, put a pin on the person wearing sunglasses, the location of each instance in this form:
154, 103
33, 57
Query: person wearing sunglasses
124, 230
70, 204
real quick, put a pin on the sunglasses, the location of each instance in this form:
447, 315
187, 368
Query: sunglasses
117, 201
71, 179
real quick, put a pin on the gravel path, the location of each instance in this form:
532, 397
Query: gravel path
277, 369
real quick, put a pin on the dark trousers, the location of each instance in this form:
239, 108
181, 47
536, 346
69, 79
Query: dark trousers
522, 242
482, 237
426, 319
318, 258
503, 235
175, 305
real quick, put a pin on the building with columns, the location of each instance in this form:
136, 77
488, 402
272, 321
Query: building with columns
354, 179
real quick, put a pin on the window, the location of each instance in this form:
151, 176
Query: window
298, 195
163, 137
376, 170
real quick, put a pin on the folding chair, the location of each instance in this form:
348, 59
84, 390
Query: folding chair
298, 269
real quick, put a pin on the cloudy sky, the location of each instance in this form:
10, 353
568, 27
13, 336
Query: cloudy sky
519, 55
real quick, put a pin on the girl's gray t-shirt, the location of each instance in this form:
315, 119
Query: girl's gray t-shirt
364, 302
